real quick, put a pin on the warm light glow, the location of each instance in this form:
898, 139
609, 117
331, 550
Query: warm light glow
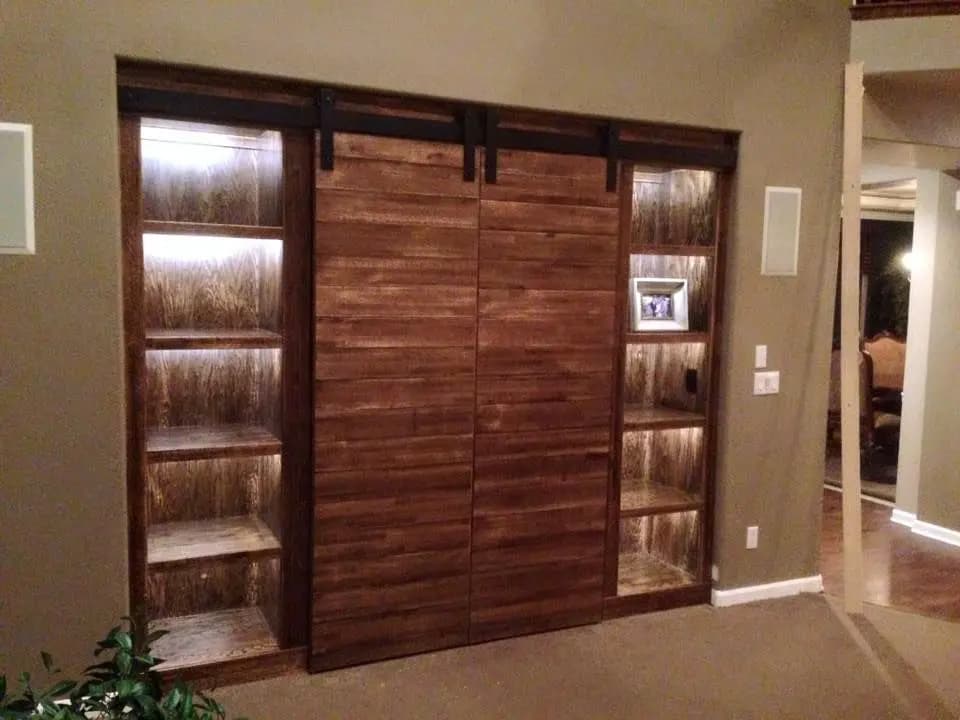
906, 261
204, 247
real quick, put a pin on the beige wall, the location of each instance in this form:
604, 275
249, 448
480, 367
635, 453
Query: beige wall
773, 70
906, 44
938, 496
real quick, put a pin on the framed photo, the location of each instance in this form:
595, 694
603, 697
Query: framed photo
658, 304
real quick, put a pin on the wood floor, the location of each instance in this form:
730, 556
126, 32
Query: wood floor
901, 569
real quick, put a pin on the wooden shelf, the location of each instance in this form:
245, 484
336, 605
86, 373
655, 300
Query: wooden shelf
638, 499
199, 443
262, 232
638, 338
179, 542
643, 573
212, 637
160, 339
696, 250
660, 418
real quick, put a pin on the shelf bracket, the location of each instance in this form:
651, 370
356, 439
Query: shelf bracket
612, 144
490, 146
470, 133
326, 102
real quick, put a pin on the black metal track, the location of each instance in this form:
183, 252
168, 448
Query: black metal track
606, 144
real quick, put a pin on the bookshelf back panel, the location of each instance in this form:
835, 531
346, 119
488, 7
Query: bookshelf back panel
673, 538
677, 207
213, 387
655, 375
665, 457
193, 282
210, 174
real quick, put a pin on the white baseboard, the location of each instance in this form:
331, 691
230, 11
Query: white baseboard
902, 517
929, 530
752, 593
936, 532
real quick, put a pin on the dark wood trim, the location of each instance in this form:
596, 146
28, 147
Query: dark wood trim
614, 606
160, 339
240, 670
612, 545
164, 227
901, 9
297, 284
131, 219
724, 196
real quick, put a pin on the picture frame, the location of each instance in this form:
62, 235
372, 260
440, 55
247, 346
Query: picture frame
659, 304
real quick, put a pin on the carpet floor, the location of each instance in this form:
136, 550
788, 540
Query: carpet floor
791, 658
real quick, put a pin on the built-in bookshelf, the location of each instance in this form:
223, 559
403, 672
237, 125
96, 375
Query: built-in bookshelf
211, 231
665, 426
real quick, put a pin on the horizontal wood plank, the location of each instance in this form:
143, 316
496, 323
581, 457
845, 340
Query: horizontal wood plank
544, 333
394, 452
546, 275
543, 415
561, 305
177, 542
333, 397
371, 271
395, 332
583, 190
542, 387
504, 245
190, 339
547, 217
394, 422
434, 301
495, 360
396, 209
589, 441
358, 363
397, 150
198, 443
354, 239
387, 176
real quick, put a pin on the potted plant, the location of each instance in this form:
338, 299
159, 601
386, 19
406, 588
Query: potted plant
123, 687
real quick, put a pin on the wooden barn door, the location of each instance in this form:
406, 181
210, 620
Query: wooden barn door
548, 268
395, 304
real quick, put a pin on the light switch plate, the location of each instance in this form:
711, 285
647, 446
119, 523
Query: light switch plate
766, 383
753, 537
16, 189
760, 357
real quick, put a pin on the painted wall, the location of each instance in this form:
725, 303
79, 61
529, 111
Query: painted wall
939, 487
905, 44
772, 70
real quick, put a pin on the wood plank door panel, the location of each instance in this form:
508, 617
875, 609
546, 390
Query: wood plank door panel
547, 294
395, 373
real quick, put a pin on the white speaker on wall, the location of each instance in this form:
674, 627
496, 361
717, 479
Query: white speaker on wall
16, 189
781, 231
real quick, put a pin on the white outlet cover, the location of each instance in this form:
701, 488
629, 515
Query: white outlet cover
753, 537
760, 356
766, 383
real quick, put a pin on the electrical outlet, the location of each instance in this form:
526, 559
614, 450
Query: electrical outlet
753, 537
715, 573
766, 383
760, 356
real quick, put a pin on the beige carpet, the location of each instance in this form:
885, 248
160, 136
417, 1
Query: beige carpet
791, 658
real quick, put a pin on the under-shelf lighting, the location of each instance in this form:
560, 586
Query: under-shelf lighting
204, 247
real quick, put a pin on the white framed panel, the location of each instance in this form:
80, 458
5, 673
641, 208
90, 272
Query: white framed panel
16, 189
781, 231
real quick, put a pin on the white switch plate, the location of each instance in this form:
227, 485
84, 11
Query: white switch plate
766, 383
753, 537
760, 357
715, 573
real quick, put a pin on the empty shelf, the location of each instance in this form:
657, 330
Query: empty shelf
658, 418
263, 232
643, 573
212, 637
650, 337
198, 443
651, 498
157, 339
205, 539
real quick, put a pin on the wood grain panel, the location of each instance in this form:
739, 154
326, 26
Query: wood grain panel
655, 376
547, 281
222, 584
676, 207
395, 360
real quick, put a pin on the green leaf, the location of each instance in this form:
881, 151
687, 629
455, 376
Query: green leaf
61, 688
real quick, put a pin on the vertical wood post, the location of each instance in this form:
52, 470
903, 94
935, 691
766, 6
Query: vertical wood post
850, 338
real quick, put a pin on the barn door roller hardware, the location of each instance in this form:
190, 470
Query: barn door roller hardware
465, 128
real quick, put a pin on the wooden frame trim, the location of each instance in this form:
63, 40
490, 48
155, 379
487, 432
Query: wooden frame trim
901, 9
131, 224
297, 391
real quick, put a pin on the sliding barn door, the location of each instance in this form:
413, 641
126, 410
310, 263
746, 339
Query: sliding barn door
396, 296
548, 248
